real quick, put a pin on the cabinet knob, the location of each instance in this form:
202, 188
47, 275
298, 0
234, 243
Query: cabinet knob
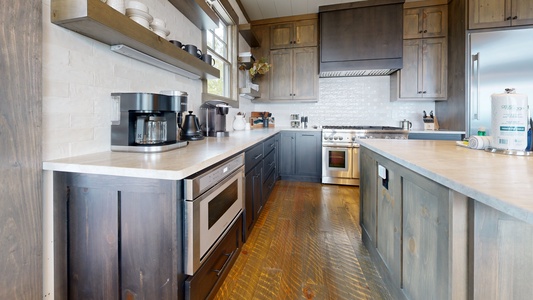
425, 31
420, 31
515, 17
419, 92
424, 92
508, 18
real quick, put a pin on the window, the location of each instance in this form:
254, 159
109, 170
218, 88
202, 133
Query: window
217, 46
221, 44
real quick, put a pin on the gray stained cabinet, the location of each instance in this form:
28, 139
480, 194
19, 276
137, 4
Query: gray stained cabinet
294, 74
407, 223
425, 22
424, 73
122, 238
294, 34
300, 156
499, 13
260, 177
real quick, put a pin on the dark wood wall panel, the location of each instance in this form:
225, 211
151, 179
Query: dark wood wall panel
20, 149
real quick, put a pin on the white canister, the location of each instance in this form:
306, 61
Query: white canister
509, 120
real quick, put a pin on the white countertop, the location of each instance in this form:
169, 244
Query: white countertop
172, 165
501, 181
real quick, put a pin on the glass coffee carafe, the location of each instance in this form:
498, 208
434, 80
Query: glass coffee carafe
150, 129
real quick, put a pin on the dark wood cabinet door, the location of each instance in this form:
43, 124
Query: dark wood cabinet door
308, 154
305, 73
294, 34
434, 68
488, 13
286, 153
425, 22
281, 74
93, 243
124, 238
410, 75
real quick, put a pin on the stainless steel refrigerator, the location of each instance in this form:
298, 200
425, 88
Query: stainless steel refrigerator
498, 60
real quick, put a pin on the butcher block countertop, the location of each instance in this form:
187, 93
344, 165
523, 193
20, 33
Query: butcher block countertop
171, 165
504, 182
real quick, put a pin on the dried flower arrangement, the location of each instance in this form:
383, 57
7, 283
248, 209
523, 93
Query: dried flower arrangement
259, 67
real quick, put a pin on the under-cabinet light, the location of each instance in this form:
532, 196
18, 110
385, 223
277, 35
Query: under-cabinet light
137, 55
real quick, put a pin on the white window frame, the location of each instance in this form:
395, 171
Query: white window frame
232, 31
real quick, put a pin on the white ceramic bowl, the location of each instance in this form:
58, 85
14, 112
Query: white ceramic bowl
132, 12
137, 5
162, 33
141, 21
158, 23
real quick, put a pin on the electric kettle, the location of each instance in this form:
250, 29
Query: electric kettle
190, 130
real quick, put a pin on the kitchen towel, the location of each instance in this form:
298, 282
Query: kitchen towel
479, 142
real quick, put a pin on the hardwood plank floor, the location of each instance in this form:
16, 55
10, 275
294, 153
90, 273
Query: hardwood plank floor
306, 244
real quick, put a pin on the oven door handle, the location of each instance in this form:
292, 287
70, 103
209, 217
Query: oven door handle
230, 256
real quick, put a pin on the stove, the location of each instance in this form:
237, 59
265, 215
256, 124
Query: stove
340, 150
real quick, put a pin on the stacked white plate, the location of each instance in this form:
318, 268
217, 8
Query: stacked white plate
138, 12
158, 27
118, 5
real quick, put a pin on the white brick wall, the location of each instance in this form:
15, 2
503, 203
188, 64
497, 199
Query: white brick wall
79, 74
352, 101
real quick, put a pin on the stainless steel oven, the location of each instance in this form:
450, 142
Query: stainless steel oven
338, 165
214, 200
340, 150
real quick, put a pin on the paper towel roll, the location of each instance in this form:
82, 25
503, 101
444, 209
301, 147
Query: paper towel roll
479, 142
509, 120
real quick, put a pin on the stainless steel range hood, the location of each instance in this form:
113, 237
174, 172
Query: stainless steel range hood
361, 38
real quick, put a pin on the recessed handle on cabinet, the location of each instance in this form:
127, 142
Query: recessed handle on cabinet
229, 255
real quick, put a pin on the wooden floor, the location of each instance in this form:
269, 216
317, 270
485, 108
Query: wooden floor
306, 245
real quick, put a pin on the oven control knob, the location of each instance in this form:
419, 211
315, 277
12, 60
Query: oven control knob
340, 138
335, 138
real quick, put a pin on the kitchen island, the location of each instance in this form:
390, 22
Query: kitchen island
447, 222
114, 222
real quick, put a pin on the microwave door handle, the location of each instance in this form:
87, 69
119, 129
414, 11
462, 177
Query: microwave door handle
475, 72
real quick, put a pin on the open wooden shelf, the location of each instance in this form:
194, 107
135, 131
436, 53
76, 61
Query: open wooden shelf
99, 21
246, 31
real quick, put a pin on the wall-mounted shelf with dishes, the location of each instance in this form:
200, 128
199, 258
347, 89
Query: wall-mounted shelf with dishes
99, 21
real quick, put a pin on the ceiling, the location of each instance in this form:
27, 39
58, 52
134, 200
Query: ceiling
266, 9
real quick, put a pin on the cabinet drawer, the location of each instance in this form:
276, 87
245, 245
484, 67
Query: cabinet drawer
253, 156
268, 185
205, 283
269, 163
269, 145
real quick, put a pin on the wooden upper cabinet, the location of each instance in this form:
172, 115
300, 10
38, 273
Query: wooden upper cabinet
499, 13
294, 34
425, 22
424, 72
294, 74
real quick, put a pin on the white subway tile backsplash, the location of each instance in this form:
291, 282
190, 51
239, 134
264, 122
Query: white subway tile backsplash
352, 101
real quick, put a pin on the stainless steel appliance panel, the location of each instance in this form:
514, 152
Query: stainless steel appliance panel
212, 210
498, 60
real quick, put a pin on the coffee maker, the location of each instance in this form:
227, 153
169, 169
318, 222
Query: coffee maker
147, 122
213, 118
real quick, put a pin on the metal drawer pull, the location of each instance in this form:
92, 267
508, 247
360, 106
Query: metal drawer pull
229, 255
258, 155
